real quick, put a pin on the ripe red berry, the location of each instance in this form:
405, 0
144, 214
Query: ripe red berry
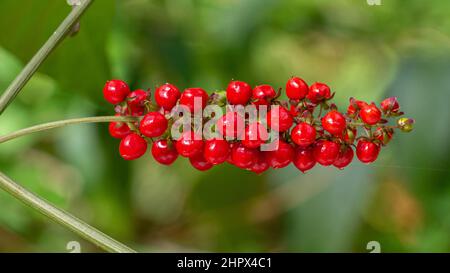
189, 144
243, 157
390, 105
190, 95
200, 163
118, 129
231, 125
154, 124
282, 156
115, 91
370, 114
304, 159
303, 134
132, 146
334, 122
261, 164
136, 100
279, 119
344, 158
367, 151
216, 151
262, 94
318, 92
255, 134
163, 152
296, 88
326, 152
167, 96
238, 92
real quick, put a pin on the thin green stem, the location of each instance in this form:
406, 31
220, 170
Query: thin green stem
61, 32
71, 222
62, 123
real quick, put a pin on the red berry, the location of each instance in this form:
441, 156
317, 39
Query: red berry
383, 135
303, 134
255, 134
200, 163
370, 114
243, 157
304, 159
239, 92
216, 151
282, 156
318, 92
345, 157
163, 152
349, 135
334, 122
262, 94
326, 152
279, 119
367, 151
115, 91
136, 100
154, 124
390, 105
189, 144
132, 146
118, 129
231, 125
296, 88
167, 96
261, 164
190, 95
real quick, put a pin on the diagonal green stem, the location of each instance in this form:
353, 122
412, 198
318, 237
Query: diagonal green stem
62, 123
28, 71
76, 225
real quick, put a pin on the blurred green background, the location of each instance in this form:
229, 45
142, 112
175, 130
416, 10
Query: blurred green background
401, 48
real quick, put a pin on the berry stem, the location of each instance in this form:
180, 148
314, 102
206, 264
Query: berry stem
62, 123
61, 32
71, 222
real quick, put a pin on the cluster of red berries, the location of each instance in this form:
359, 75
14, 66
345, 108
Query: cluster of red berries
306, 137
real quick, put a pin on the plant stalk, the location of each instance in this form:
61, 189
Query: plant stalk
62, 123
61, 32
71, 222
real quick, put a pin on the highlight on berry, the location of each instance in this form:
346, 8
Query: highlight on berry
252, 128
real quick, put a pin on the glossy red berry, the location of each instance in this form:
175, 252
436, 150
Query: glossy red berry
303, 134
136, 100
383, 135
326, 152
118, 129
263, 94
304, 158
238, 92
318, 92
279, 119
261, 164
296, 88
231, 125
200, 163
282, 156
243, 157
132, 146
163, 152
334, 122
167, 96
367, 151
370, 114
190, 95
216, 151
344, 158
154, 124
390, 105
189, 144
255, 134
115, 91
